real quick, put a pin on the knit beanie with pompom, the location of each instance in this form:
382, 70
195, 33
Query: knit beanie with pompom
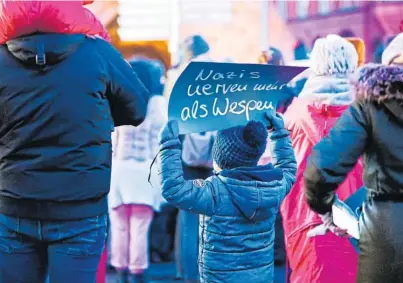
240, 146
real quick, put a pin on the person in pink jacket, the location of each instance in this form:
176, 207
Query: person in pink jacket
326, 95
19, 18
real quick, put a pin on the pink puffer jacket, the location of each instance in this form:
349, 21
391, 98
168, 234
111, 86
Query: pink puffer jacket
322, 259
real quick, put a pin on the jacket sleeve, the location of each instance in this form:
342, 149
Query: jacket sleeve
197, 196
283, 156
334, 157
127, 95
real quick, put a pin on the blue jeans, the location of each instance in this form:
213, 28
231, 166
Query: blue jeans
69, 251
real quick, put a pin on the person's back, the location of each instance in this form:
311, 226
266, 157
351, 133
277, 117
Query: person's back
238, 205
310, 117
372, 128
61, 96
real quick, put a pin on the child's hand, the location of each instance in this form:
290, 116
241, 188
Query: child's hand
275, 120
169, 131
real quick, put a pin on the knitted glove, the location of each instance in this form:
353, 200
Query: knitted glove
275, 120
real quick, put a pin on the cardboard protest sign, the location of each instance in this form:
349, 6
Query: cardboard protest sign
213, 96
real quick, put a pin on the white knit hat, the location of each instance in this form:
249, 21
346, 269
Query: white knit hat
393, 51
333, 55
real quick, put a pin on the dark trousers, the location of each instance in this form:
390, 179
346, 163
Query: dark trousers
279, 245
162, 232
381, 242
67, 251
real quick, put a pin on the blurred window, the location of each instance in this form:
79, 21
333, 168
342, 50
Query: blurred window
206, 11
282, 8
302, 8
348, 4
141, 20
324, 7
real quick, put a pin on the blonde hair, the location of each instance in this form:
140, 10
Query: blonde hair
333, 55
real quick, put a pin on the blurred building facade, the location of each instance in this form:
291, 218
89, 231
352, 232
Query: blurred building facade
233, 28
154, 28
373, 21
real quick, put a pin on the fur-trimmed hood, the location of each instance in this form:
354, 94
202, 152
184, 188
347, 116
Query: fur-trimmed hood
330, 90
382, 84
376, 82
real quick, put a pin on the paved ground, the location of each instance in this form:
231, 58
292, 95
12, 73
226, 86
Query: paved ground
165, 273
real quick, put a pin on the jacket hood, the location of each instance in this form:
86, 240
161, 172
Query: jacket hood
381, 84
150, 73
44, 50
330, 90
254, 190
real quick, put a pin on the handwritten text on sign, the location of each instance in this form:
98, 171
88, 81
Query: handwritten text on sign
213, 96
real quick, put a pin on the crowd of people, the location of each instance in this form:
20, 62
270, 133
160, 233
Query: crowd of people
81, 129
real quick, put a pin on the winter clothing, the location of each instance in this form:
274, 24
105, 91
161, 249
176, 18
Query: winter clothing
73, 255
393, 53
133, 151
371, 127
21, 18
238, 209
55, 130
309, 118
240, 146
150, 73
129, 226
325, 96
333, 55
273, 56
187, 232
196, 45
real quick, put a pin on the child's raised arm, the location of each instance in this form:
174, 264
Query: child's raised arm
198, 196
281, 149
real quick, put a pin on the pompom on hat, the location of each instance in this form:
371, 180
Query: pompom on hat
393, 53
240, 146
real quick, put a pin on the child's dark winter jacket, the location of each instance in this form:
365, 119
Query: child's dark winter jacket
238, 208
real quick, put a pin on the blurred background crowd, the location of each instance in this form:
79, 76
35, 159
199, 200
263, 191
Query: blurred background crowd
159, 38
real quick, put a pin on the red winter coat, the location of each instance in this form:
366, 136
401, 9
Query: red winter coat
19, 18
322, 259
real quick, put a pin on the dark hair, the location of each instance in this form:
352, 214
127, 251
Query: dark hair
150, 73
196, 45
300, 52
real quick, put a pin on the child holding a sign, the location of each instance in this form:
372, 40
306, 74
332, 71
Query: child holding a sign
238, 205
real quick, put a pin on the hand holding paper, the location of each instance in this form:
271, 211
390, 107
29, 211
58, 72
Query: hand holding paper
345, 218
327, 225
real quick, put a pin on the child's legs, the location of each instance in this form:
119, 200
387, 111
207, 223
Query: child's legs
140, 221
120, 229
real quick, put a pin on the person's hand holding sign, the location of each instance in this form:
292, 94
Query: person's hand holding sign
275, 121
